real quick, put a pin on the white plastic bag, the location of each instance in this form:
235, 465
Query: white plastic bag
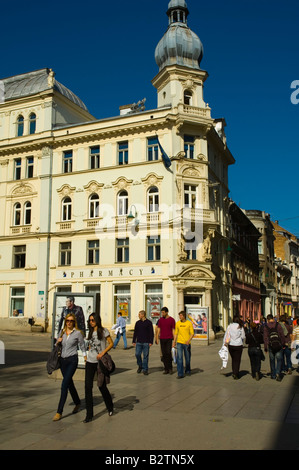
173, 352
223, 353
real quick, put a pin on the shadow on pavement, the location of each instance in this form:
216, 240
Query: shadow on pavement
287, 437
19, 358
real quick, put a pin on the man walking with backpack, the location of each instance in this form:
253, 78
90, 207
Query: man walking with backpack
274, 342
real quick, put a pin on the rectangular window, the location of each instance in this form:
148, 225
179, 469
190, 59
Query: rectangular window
123, 153
17, 300
153, 249
191, 254
189, 146
19, 256
93, 252
29, 167
65, 252
190, 199
17, 168
68, 161
122, 250
152, 149
94, 157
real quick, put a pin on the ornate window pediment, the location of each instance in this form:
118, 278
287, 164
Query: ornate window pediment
23, 189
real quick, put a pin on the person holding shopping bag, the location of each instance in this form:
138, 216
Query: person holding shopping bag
234, 337
100, 342
70, 338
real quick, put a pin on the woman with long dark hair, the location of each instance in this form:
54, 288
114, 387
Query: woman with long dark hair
98, 337
234, 337
70, 337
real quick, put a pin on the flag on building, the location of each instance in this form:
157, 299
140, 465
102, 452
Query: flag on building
165, 157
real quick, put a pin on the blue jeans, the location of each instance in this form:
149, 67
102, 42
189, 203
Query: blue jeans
276, 361
118, 336
183, 350
287, 363
68, 368
142, 349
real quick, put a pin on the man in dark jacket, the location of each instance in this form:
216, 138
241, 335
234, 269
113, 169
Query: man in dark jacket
143, 339
274, 342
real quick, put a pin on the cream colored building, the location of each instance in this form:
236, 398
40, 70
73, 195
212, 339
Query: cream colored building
68, 182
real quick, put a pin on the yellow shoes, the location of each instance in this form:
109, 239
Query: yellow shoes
57, 417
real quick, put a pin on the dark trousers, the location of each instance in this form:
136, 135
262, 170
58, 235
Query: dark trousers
166, 353
90, 371
68, 368
235, 353
255, 360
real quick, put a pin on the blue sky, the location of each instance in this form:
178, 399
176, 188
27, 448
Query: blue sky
104, 52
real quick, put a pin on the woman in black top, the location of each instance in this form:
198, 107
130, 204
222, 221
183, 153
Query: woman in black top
254, 339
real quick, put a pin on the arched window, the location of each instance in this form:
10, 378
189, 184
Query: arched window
153, 199
17, 214
32, 123
20, 126
188, 97
94, 202
27, 213
66, 209
122, 203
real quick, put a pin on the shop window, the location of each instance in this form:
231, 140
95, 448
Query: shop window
122, 301
153, 301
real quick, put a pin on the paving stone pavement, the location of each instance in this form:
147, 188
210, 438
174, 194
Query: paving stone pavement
206, 411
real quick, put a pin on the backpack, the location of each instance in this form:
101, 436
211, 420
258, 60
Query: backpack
274, 340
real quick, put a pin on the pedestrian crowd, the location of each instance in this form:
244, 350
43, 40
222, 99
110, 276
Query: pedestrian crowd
278, 336
175, 344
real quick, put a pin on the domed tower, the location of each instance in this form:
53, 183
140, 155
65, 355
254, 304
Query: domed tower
178, 56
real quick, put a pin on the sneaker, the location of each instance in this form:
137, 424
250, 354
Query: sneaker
278, 378
139, 370
145, 372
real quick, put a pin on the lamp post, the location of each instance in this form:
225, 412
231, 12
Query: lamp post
131, 216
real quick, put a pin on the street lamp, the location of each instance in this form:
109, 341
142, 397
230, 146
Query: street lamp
131, 216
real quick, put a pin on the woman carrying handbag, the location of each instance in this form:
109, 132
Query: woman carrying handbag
70, 338
100, 342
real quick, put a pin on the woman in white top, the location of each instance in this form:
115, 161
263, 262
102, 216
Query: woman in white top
100, 342
234, 337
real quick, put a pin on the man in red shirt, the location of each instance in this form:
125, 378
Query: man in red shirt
165, 332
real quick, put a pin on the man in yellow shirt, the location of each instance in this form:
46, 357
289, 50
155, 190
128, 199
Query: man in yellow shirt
184, 333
